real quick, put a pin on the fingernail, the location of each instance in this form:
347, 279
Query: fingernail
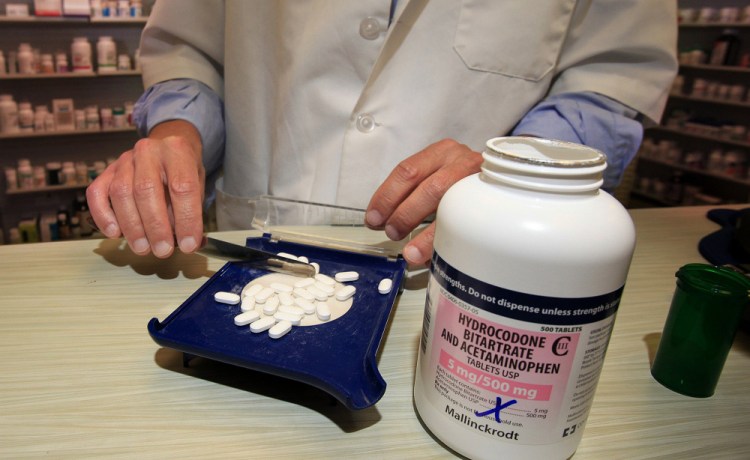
373, 218
111, 231
140, 246
162, 249
188, 244
413, 255
392, 233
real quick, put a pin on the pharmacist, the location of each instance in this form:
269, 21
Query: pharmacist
322, 100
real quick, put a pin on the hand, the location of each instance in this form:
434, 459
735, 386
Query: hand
413, 190
153, 193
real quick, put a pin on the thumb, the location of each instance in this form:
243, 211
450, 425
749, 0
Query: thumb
418, 251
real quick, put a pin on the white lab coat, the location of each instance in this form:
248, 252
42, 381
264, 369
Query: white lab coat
323, 98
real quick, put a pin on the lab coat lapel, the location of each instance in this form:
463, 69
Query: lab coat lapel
406, 13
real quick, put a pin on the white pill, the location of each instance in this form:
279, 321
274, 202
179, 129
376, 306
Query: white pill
343, 277
325, 279
271, 305
262, 324
345, 292
279, 329
316, 266
243, 319
264, 295
302, 292
323, 311
252, 290
303, 259
291, 309
304, 282
248, 303
306, 306
281, 287
317, 293
229, 298
385, 285
327, 288
286, 298
281, 316
287, 255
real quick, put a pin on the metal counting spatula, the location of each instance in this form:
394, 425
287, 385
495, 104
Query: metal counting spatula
261, 259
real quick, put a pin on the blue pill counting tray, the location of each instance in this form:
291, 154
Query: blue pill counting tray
338, 356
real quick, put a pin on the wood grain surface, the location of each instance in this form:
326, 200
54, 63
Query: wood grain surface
81, 377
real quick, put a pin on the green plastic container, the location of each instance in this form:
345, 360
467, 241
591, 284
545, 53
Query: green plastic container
706, 310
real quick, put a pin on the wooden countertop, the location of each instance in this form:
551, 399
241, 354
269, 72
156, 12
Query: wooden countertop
82, 378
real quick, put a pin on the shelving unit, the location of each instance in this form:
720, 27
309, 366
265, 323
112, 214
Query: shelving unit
695, 126
128, 129
54, 76
47, 189
103, 89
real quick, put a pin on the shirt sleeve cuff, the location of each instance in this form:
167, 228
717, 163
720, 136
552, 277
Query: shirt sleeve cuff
589, 119
187, 100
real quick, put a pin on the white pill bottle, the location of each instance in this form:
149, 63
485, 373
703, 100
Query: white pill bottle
81, 55
106, 54
529, 265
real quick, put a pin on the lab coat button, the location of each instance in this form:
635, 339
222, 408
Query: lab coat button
365, 123
369, 28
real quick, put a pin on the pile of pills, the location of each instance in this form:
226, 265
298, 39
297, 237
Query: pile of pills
277, 301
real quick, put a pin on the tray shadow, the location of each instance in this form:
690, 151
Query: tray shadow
270, 386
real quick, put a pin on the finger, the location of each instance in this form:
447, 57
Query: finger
97, 197
425, 198
123, 203
150, 198
403, 180
419, 250
185, 182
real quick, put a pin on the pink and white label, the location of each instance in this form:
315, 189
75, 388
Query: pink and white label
492, 382
518, 363
534, 379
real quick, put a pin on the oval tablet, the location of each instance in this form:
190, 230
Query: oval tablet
286, 298
317, 293
248, 303
302, 292
262, 324
306, 306
264, 295
325, 279
279, 329
281, 287
292, 309
323, 311
271, 305
343, 277
252, 290
385, 286
327, 288
243, 319
281, 316
304, 282
229, 298
345, 292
